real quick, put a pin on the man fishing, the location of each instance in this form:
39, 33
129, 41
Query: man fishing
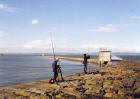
55, 67
56, 70
86, 57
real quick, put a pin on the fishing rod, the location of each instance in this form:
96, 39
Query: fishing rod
52, 46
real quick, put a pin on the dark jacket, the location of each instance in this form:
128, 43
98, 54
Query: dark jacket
86, 57
55, 66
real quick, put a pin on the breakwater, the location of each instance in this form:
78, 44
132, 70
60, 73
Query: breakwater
80, 59
121, 81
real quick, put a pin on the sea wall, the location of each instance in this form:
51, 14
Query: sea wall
117, 82
92, 61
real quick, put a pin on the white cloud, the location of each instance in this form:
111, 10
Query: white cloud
134, 17
139, 41
2, 6
45, 45
107, 28
1, 34
34, 21
7, 8
95, 47
35, 44
61, 45
131, 24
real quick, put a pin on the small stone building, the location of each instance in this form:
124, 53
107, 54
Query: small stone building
104, 56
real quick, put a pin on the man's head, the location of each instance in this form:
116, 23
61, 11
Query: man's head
56, 59
84, 54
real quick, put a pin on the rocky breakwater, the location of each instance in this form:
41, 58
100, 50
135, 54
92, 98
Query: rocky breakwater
118, 82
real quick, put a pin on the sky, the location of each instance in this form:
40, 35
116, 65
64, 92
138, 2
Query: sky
75, 25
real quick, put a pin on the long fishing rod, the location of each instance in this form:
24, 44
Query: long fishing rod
52, 46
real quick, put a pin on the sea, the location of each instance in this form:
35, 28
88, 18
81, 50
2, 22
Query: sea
24, 68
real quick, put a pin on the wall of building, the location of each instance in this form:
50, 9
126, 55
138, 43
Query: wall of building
104, 56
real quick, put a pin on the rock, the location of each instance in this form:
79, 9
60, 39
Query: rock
110, 78
117, 83
116, 96
87, 96
94, 90
22, 93
59, 96
137, 93
137, 84
97, 76
95, 72
80, 89
71, 91
89, 82
128, 83
64, 84
69, 96
51, 86
107, 84
108, 95
121, 92
87, 77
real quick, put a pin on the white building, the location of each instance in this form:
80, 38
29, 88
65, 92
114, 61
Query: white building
104, 56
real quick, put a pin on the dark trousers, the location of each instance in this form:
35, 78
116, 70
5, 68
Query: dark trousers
55, 75
85, 68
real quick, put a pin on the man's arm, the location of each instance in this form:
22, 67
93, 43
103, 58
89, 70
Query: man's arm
88, 57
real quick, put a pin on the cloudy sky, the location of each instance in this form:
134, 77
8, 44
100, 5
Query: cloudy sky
76, 25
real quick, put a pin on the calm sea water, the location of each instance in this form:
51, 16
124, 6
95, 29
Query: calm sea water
135, 58
16, 69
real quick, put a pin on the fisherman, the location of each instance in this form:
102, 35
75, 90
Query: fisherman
86, 57
55, 67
